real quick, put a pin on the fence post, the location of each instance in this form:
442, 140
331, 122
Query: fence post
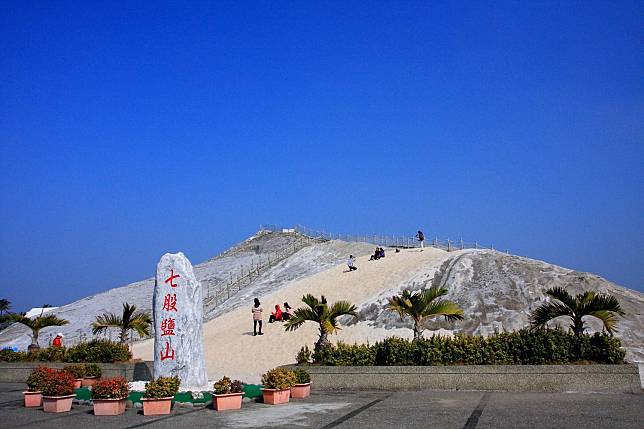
461, 244
476, 244
435, 240
449, 245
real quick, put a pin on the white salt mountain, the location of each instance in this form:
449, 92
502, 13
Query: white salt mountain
178, 322
497, 292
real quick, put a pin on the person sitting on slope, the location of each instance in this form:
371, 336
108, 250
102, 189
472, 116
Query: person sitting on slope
287, 312
277, 315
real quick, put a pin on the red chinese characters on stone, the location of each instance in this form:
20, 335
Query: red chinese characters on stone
170, 302
167, 352
172, 277
167, 327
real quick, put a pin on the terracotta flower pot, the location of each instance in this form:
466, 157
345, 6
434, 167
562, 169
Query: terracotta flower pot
109, 407
227, 401
57, 404
276, 396
77, 383
88, 381
33, 399
156, 406
301, 391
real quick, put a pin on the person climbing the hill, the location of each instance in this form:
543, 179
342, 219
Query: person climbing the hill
257, 318
421, 239
287, 313
351, 262
58, 341
277, 315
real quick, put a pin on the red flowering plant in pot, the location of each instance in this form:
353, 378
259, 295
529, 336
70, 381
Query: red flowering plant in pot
227, 395
109, 396
78, 371
302, 388
35, 382
277, 385
58, 392
158, 395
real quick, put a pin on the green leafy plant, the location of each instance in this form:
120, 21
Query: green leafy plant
129, 320
302, 376
58, 383
51, 354
37, 378
110, 388
102, 351
604, 307
279, 378
77, 370
325, 316
304, 355
225, 385
5, 306
424, 304
162, 387
8, 355
93, 370
524, 347
38, 323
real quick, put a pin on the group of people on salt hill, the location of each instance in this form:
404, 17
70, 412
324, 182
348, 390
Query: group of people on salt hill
380, 252
278, 315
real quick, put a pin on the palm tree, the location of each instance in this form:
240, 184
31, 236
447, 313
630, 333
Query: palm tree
38, 323
323, 314
5, 306
604, 307
128, 321
423, 304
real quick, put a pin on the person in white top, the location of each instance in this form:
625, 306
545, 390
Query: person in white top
351, 262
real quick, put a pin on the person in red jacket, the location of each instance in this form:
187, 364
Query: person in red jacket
58, 341
277, 315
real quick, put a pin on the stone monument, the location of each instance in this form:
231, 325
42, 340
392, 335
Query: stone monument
178, 339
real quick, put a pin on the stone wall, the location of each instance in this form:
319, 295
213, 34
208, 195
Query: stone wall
523, 378
17, 372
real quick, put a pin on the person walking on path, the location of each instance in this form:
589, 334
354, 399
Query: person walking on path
351, 263
257, 317
421, 238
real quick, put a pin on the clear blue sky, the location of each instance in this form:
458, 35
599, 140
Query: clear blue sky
132, 130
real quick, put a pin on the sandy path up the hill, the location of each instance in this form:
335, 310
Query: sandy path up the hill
231, 349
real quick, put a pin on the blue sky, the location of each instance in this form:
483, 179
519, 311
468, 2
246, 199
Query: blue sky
128, 131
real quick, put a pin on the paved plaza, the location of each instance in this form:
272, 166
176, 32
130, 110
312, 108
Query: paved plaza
343, 410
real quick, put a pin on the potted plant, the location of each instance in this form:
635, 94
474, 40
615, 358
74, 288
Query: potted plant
302, 388
277, 385
158, 395
92, 372
228, 395
58, 392
77, 370
35, 381
109, 396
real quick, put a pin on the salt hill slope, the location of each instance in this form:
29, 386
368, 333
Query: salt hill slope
497, 292
311, 258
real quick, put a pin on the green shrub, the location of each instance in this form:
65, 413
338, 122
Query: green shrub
525, 347
162, 387
302, 376
279, 378
98, 351
304, 355
8, 355
51, 354
75, 369
93, 370
225, 386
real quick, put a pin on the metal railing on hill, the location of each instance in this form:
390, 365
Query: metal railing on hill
401, 241
219, 292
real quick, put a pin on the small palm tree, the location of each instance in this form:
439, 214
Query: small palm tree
130, 320
424, 304
320, 312
38, 323
604, 307
5, 306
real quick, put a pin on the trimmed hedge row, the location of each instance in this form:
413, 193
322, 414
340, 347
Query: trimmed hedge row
525, 347
102, 351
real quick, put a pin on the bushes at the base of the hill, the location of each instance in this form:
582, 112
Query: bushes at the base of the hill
525, 347
102, 351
